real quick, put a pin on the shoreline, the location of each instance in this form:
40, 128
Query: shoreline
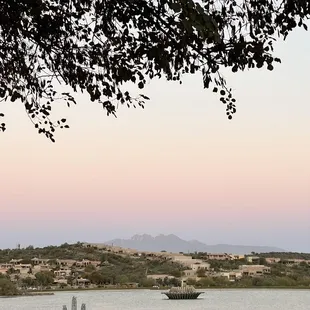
52, 292
165, 288
30, 294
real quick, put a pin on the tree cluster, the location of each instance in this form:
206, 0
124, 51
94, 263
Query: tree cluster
7, 288
98, 46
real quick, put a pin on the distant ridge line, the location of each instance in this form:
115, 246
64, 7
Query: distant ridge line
173, 243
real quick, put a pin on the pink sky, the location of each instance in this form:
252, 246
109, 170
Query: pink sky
178, 166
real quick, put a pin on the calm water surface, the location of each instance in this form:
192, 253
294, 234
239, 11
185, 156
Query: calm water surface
152, 300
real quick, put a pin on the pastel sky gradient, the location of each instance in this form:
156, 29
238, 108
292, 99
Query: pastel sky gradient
178, 166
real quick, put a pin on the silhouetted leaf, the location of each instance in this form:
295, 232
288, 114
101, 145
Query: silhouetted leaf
270, 67
144, 97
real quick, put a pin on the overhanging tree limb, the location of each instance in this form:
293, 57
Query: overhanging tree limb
98, 45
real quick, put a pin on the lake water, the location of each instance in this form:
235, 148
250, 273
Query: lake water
214, 299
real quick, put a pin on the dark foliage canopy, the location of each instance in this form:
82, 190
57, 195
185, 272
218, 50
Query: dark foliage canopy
96, 46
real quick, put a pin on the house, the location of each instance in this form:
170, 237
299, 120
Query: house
232, 275
63, 272
60, 282
85, 262
199, 265
180, 258
236, 256
6, 265
253, 259
272, 260
65, 262
23, 268
254, 270
159, 276
80, 282
38, 261
41, 268
3, 270
190, 273
15, 261
218, 256
294, 261
109, 248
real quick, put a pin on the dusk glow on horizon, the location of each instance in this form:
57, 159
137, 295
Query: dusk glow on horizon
177, 166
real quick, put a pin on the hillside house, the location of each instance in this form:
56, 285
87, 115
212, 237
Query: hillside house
159, 276
199, 265
39, 261
218, 256
60, 282
65, 262
253, 259
6, 266
236, 256
232, 275
41, 268
81, 282
62, 273
23, 268
85, 262
294, 261
272, 260
15, 261
190, 274
254, 270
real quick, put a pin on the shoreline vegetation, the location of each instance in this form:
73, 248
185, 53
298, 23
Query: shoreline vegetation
76, 267
167, 288
68, 290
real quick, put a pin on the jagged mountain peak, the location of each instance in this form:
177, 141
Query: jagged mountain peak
141, 237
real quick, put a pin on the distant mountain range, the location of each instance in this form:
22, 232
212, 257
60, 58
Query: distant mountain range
172, 243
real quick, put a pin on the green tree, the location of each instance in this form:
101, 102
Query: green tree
176, 273
122, 279
96, 277
285, 281
191, 281
96, 46
206, 282
148, 282
11, 270
28, 282
70, 280
221, 281
7, 288
174, 282
257, 281
90, 268
44, 278
201, 272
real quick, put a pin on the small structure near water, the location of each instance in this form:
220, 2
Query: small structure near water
74, 305
183, 292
